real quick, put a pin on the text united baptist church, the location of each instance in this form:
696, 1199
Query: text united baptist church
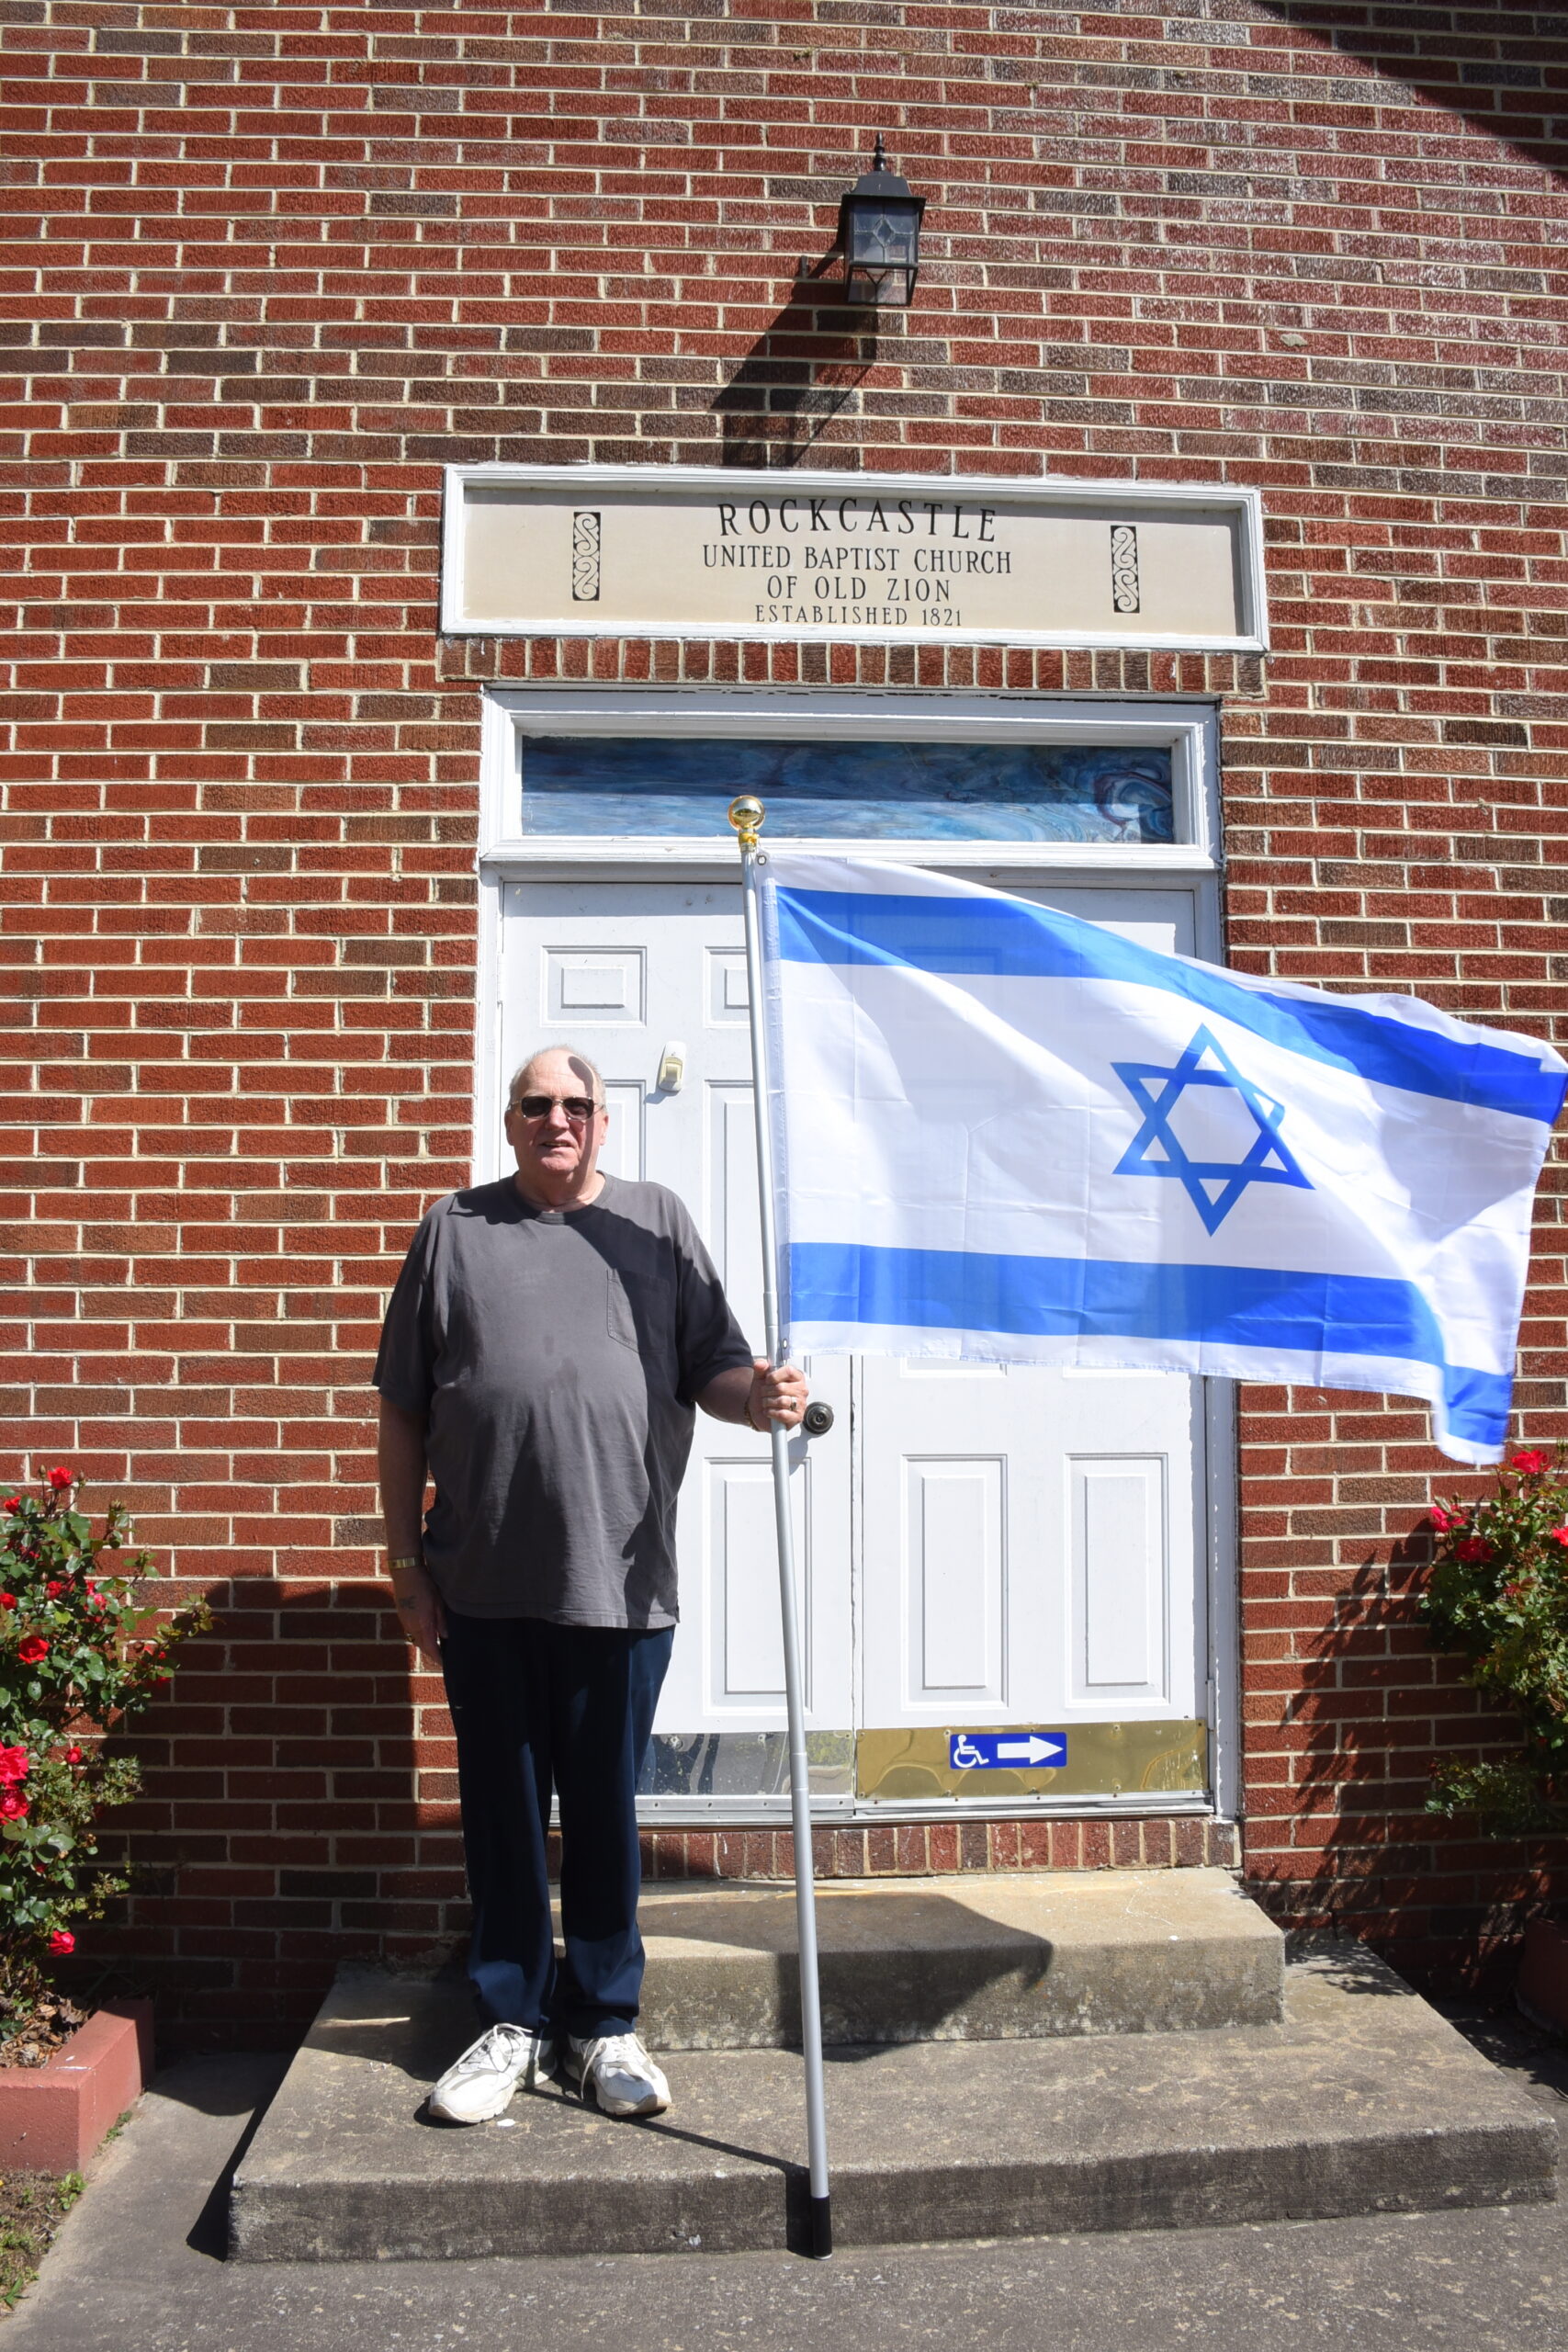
842, 574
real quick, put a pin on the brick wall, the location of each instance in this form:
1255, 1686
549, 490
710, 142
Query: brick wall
269, 268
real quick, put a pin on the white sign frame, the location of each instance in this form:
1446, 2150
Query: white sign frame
1239, 505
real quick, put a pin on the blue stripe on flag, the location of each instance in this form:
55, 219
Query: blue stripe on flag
1232, 1306
1005, 937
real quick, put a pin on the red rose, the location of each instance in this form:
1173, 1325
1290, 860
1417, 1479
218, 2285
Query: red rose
1560, 1534
72, 1756
32, 1649
13, 1807
1531, 1462
12, 1502
61, 1942
7, 1601
1443, 1520
13, 1764
62, 1478
54, 1589
1475, 1547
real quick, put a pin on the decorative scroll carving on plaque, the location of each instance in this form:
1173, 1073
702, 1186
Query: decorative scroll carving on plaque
1124, 567
585, 556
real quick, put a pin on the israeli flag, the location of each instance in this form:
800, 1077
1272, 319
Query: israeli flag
1005, 1133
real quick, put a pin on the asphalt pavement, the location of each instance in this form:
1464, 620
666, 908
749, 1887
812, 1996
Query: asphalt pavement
139, 2267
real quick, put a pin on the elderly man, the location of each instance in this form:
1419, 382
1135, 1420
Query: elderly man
547, 1342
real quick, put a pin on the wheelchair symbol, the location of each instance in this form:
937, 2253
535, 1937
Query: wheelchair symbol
965, 1756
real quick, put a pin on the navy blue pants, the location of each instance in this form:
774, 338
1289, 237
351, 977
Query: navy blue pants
536, 1707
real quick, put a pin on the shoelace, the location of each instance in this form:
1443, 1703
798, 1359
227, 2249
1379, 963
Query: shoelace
616, 2050
499, 2048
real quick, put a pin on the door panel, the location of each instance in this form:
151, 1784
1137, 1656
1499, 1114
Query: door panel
593, 988
728, 1001
748, 1652
623, 1151
734, 1231
746, 1644
954, 1579
1121, 1578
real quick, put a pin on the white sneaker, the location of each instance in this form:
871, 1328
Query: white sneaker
618, 2070
484, 2080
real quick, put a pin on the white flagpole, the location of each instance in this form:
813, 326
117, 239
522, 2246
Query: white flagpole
746, 815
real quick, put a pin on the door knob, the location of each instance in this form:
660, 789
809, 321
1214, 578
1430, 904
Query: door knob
817, 1420
671, 1067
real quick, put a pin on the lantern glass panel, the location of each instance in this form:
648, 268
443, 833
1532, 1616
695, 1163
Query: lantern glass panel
883, 233
883, 248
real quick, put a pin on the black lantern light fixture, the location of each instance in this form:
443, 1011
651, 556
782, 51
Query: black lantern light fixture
879, 236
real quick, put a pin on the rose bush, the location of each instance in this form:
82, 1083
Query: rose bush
1498, 1593
80, 1652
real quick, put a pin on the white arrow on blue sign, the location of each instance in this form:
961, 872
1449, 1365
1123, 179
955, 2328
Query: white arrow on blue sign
995, 1752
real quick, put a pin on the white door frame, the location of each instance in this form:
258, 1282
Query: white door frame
505, 853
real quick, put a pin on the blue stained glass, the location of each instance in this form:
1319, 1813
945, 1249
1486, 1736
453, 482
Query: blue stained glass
636, 784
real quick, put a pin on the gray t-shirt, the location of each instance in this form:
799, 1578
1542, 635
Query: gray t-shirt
557, 1356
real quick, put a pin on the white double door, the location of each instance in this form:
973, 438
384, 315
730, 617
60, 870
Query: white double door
977, 1546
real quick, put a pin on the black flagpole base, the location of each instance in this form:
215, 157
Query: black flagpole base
821, 2228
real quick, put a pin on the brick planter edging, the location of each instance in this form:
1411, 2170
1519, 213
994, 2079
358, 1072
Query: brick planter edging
53, 2118
1541, 1990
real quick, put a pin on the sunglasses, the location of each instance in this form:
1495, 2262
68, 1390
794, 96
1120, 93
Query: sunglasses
578, 1107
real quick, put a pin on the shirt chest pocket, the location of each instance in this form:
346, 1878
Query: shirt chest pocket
641, 1311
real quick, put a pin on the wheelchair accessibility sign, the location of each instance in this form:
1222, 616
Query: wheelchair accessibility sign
1001, 1751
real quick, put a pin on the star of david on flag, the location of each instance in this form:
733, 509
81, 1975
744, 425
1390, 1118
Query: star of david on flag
1213, 1186
972, 1095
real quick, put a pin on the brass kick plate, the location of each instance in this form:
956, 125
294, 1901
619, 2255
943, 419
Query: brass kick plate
1103, 1760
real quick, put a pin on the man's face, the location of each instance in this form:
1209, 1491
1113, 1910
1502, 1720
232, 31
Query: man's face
556, 1149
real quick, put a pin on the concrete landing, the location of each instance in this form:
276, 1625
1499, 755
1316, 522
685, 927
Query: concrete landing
1362, 2101
984, 1958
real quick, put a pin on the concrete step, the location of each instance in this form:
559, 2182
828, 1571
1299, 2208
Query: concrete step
1362, 2101
980, 1959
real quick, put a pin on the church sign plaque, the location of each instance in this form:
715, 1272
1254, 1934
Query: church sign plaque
693, 551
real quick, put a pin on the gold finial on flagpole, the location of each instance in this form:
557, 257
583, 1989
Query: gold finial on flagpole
746, 815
